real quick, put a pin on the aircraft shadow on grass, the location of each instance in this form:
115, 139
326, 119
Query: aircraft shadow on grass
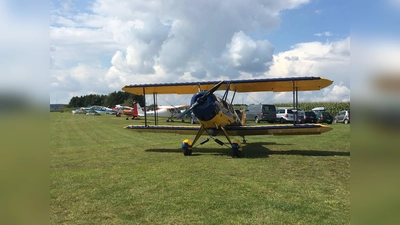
255, 150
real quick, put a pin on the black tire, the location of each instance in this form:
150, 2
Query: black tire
281, 120
235, 153
346, 121
187, 152
257, 120
336, 121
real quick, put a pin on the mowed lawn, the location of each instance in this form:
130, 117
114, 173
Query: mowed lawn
101, 173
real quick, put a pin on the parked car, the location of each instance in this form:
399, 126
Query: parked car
261, 112
286, 115
343, 117
309, 117
324, 117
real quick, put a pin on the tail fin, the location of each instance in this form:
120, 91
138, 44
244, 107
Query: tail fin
138, 109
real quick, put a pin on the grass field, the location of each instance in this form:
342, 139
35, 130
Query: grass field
101, 173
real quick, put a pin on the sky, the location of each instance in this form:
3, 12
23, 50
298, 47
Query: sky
98, 46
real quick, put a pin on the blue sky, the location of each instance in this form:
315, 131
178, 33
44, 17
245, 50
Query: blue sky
317, 17
98, 46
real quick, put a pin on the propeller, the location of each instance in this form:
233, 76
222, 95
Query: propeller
201, 99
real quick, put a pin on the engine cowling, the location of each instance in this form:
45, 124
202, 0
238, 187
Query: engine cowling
206, 109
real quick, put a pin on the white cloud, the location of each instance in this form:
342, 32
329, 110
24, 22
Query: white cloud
312, 58
109, 45
248, 55
326, 33
328, 60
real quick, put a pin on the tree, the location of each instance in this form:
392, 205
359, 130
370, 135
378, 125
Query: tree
109, 100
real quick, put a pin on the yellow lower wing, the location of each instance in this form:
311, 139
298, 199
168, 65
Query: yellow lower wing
298, 129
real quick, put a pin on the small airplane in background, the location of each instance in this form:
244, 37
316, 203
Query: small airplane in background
170, 112
100, 109
122, 109
217, 116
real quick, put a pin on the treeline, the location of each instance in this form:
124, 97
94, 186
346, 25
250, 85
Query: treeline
109, 100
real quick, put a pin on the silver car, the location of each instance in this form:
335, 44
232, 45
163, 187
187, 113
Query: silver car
286, 115
343, 117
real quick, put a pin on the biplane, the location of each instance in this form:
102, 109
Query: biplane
216, 114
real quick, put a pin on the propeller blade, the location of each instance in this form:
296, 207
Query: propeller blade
188, 110
213, 89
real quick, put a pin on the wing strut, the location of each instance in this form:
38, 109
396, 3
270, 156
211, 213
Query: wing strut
233, 97
295, 102
155, 105
145, 109
226, 92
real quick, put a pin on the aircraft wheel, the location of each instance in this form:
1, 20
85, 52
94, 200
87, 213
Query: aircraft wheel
236, 149
186, 147
187, 152
235, 153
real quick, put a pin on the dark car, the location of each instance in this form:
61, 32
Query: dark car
309, 117
261, 112
324, 117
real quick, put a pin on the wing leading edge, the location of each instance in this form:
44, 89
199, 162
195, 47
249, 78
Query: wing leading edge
298, 129
251, 85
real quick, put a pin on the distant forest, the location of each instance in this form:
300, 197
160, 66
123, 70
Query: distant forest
109, 100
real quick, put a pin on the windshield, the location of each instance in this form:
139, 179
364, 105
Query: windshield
326, 114
268, 108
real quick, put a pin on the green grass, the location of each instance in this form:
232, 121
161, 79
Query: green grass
101, 173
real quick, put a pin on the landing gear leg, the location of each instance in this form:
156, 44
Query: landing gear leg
236, 148
244, 140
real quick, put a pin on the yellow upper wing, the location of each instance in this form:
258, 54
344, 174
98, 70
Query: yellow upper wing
252, 85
